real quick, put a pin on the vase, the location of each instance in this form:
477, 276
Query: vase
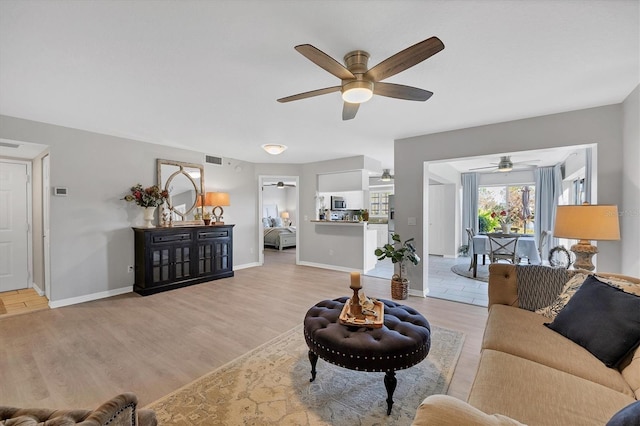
149, 216
505, 228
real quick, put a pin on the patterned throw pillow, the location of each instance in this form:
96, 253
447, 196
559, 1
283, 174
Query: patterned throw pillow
276, 222
266, 222
622, 284
567, 292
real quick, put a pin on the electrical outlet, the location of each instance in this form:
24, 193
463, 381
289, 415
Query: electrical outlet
130, 269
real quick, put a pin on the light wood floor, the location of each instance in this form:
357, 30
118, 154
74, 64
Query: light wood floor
21, 301
82, 355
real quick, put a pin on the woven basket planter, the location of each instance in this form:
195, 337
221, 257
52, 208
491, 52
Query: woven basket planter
399, 289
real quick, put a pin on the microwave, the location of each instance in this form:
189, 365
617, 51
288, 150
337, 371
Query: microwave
338, 203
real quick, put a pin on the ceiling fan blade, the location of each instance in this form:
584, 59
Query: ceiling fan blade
405, 59
399, 91
325, 61
310, 94
349, 110
482, 168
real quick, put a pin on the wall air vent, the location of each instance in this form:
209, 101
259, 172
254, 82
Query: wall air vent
213, 160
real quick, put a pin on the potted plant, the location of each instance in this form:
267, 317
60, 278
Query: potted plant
399, 253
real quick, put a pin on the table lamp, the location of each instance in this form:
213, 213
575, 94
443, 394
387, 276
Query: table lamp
584, 223
285, 218
217, 199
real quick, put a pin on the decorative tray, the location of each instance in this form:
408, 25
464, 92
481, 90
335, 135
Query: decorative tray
369, 321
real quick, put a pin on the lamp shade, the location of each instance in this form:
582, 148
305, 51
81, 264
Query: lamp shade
217, 199
587, 222
284, 215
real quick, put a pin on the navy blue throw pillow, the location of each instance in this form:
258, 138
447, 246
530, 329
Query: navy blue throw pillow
628, 416
602, 319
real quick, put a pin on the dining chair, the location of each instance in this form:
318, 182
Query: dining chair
503, 248
470, 235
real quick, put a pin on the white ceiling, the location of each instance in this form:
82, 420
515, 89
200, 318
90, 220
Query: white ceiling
205, 75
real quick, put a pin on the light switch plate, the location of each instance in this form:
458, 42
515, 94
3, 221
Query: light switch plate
411, 221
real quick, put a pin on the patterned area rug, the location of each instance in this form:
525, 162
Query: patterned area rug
3, 310
462, 269
270, 386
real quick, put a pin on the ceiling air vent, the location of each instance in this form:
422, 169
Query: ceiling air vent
213, 160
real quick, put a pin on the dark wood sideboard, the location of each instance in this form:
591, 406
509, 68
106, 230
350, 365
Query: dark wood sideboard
168, 258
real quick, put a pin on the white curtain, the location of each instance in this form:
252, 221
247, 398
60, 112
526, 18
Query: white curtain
469, 203
548, 193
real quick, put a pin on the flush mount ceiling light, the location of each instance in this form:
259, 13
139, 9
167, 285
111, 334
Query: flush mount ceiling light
357, 92
274, 149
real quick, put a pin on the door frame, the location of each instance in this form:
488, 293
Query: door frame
261, 181
28, 164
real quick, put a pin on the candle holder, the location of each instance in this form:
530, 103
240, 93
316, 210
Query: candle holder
355, 308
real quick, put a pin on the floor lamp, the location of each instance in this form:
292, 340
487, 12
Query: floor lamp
584, 223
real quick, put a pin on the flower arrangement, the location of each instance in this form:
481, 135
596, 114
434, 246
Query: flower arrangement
502, 217
152, 196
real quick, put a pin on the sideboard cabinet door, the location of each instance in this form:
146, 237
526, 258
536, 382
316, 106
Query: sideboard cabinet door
168, 258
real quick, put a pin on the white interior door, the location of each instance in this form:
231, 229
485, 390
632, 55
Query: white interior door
14, 255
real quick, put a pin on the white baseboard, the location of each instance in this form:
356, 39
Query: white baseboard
37, 289
332, 267
246, 265
419, 293
90, 297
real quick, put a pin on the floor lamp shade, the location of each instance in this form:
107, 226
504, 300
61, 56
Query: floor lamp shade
587, 222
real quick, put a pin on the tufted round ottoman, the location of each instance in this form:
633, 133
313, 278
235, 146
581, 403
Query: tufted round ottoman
403, 341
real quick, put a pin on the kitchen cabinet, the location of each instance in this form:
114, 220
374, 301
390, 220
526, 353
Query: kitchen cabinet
356, 180
168, 258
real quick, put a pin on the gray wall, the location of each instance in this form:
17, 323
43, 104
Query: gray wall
91, 237
630, 207
602, 126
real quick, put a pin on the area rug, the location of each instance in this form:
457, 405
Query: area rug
3, 310
462, 269
270, 386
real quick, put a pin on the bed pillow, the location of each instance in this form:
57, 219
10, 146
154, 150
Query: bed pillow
602, 319
276, 222
266, 222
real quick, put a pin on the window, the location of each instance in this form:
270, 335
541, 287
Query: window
379, 203
509, 198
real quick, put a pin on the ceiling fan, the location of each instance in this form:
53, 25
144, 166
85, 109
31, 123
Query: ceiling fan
281, 185
506, 165
360, 83
386, 176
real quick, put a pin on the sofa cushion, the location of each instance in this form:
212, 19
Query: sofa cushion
563, 298
628, 416
535, 394
603, 319
443, 410
522, 333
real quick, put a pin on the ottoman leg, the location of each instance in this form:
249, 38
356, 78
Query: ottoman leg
313, 358
390, 383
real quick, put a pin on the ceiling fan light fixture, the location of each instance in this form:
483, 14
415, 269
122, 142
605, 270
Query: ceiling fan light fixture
274, 149
357, 91
505, 164
386, 176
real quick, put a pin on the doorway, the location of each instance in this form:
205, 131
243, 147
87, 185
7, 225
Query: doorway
278, 209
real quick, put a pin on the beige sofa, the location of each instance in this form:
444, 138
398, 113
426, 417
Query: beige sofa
530, 374
118, 411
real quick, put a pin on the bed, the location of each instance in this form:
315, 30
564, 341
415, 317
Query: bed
280, 237
276, 233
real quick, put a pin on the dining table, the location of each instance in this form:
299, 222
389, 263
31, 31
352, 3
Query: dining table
527, 247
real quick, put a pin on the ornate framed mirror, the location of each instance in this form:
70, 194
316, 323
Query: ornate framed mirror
185, 184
